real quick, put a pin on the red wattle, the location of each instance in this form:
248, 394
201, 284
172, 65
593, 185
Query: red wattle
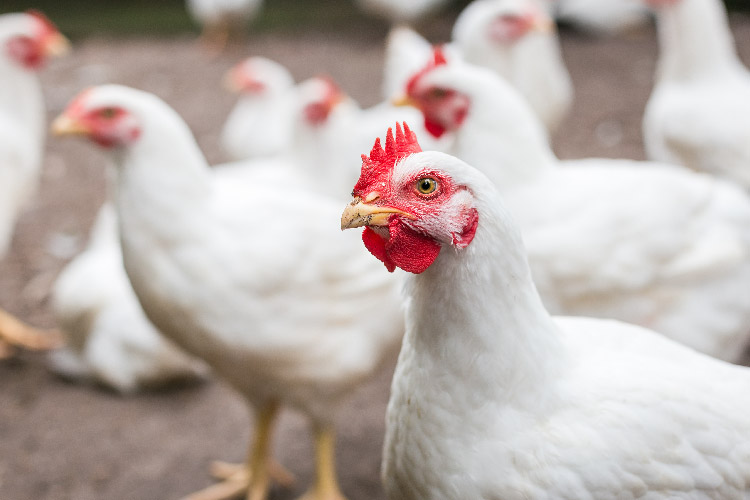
405, 248
434, 128
376, 245
411, 251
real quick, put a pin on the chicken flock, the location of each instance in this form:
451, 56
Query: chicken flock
563, 329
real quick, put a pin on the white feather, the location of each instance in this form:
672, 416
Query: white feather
533, 63
21, 128
110, 341
699, 112
651, 244
494, 399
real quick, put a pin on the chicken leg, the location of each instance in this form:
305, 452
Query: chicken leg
14, 333
252, 478
326, 485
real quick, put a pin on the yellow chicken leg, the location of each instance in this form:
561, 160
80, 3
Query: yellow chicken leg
14, 333
253, 478
326, 485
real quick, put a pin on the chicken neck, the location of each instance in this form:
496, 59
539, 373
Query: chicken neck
475, 320
501, 135
695, 41
21, 99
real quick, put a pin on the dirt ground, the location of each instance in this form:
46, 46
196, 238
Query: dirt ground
62, 441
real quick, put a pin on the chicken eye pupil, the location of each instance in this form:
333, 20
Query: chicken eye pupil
108, 113
426, 185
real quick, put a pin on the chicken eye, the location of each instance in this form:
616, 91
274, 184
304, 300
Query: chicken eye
437, 93
426, 185
107, 113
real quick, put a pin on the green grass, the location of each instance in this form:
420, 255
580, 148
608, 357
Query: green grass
167, 17
78, 19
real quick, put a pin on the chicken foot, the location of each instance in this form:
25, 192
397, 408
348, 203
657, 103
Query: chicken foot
326, 486
14, 333
253, 478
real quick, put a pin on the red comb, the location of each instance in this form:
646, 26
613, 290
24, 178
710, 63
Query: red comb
438, 59
333, 90
76, 106
381, 161
49, 26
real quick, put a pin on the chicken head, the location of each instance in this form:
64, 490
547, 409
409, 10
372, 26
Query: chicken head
33, 46
410, 208
104, 122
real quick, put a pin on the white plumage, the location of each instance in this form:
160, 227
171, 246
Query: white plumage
651, 244
399, 11
604, 17
260, 124
109, 339
495, 399
219, 19
517, 40
406, 52
331, 130
699, 112
26, 40
250, 274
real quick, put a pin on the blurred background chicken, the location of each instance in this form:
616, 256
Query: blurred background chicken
601, 17
109, 340
517, 40
220, 20
27, 40
260, 124
398, 12
249, 276
699, 112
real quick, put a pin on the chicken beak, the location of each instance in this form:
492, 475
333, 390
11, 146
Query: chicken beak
231, 82
404, 100
64, 125
358, 214
542, 22
56, 45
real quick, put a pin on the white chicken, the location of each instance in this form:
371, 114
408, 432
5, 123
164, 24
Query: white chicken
331, 129
651, 244
406, 52
250, 276
517, 40
601, 17
221, 19
260, 124
27, 41
493, 398
699, 111
109, 339
400, 12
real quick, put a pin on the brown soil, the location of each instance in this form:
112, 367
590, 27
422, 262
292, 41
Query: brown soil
62, 441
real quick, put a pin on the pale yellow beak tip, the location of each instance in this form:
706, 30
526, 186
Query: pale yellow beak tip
403, 100
229, 82
358, 214
63, 125
58, 46
544, 24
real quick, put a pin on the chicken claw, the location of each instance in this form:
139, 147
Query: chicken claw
15, 333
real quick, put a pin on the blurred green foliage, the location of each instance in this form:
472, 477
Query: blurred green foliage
78, 18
